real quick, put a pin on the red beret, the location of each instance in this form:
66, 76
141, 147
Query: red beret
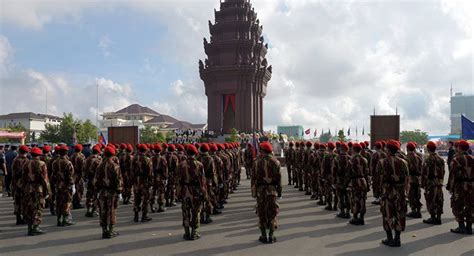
393, 145
213, 148
384, 143
344, 146
366, 143
63, 148
378, 145
143, 147
56, 148
47, 148
24, 148
129, 148
164, 145
96, 149
123, 146
171, 147
316, 145
463, 145
350, 144
356, 146
78, 148
158, 147
204, 147
297, 144
338, 144
266, 146
411, 146
431, 145
291, 144
191, 149
180, 147
322, 146
331, 145
36, 151
110, 151
309, 144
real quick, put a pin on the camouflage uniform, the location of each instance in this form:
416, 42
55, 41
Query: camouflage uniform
160, 176
36, 189
18, 168
461, 186
308, 169
415, 163
300, 166
192, 190
173, 163
211, 182
342, 172
359, 187
249, 157
218, 189
316, 174
78, 160
327, 166
143, 180
266, 187
90, 168
126, 160
376, 175
227, 164
432, 181
393, 203
63, 178
108, 183
290, 155
47, 159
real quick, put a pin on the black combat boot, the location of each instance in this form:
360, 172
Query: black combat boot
216, 211
341, 214
67, 221
52, 210
431, 220
35, 230
89, 213
263, 236
145, 217
354, 220
195, 234
461, 229
153, 209
30, 230
105, 232
167, 203
396, 240
438, 221
161, 208
361, 219
112, 232
321, 201
271, 237
19, 220
187, 234
60, 221
328, 207
389, 240
469, 228
135, 217
417, 214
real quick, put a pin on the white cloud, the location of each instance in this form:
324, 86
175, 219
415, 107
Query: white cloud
104, 45
6, 52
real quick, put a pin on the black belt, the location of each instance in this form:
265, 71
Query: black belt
267, 184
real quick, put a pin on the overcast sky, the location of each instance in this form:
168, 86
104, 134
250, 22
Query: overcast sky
333, 61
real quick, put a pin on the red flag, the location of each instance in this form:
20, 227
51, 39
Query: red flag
307, 132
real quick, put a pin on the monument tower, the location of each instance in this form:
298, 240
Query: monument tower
235, 72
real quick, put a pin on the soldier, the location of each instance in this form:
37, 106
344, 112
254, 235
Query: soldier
143, 180
249, 157
359, 187
160, 176
378, 155
18, 169
393, 201
211, 181
126, 159
77, 160
46, 157
35, 185
322, 195
108, 183
296, 164
308, 168
63, 177
290, 161
266, 187
432, 181
192, 191
326, 175
415, 163
173, 162
461, 186
301, 166
316, 172
342, 172
90, 168
218, 165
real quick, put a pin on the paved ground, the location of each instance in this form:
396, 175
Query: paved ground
305, 229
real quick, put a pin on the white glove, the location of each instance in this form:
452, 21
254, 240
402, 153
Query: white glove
73, 189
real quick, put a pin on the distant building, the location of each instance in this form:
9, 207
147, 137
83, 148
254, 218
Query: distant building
461, 104
33, 123
295, 131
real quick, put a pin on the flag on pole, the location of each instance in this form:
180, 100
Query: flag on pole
102, 139
357, 133
349, 132
322, 131
315, 132
363, 130
329, 131
307, 132
467, 128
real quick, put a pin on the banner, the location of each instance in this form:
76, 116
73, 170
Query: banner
467, 128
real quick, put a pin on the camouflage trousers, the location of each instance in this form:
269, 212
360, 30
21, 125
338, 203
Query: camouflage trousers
376, 189
17, 201
294, 174
462, 202
191, 210
248, 170
414, 196
33, 204
171, 189
358, 198
91, 196
434, 199
267, 210
108, 203
393, 207
344, 203
289, 170
328, 191
141, 198
127, 185
315, 183
212, 202
307, 179
79, 183
63, 202
300, 176
158, 194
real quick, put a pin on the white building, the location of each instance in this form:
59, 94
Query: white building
33, 123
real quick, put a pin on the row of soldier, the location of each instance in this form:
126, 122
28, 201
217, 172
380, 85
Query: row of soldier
340, 175
201, 177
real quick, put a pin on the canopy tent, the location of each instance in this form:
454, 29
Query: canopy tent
13, 135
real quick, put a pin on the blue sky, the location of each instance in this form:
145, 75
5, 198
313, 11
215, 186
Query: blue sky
333, 61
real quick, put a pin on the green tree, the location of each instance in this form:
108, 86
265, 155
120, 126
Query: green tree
87, 132
325, 137
148, 134
418, 136
64, 132
50, 134
341, 136
234, 135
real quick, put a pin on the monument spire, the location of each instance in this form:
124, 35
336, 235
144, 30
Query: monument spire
235, 72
